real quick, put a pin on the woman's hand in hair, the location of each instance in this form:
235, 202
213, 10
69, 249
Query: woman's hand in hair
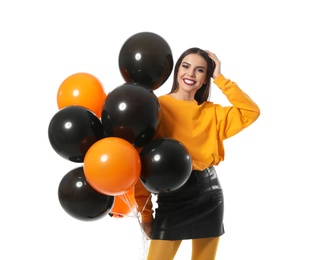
214, 58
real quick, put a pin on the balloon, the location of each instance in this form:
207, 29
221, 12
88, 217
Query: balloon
146, 58
165, 165
112, 166
72, 130
80, 200
131, 111
123, 204
82, 89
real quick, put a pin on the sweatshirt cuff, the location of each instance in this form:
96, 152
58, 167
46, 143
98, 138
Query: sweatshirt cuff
219, 80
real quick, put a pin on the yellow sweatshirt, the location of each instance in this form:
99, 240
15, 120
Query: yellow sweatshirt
202, 129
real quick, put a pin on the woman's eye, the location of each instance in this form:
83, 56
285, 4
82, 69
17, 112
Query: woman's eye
185, 66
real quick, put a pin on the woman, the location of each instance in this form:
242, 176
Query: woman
194, 211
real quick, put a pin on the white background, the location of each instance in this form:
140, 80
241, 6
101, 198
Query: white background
271, 171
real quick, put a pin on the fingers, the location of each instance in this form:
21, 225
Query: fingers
212, 56
147, 229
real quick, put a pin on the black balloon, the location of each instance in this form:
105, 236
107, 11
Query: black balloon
80, 200
72, 131
165, 165
132, 112
146, 58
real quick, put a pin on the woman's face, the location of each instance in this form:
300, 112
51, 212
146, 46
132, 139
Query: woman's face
192, 73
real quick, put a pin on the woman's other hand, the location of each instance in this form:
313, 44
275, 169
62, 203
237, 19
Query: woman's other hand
147, 228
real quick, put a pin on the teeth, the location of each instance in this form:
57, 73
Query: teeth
188, 81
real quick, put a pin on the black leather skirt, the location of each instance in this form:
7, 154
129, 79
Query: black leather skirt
193, 211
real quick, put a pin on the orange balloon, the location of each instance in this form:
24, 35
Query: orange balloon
112, 166
82, 89
123, 204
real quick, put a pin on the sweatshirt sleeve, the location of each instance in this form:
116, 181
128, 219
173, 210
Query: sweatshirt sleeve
243, 112
144, 202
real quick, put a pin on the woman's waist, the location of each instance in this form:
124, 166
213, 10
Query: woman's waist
199, 182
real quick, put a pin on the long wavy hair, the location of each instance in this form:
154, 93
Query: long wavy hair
202, 93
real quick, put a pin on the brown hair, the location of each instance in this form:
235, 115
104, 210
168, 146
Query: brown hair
202, 93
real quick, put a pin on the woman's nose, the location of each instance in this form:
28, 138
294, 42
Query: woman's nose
191, 73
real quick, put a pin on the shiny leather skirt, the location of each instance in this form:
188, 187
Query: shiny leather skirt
193, 211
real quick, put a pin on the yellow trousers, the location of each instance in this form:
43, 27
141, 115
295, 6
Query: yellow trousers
202, 249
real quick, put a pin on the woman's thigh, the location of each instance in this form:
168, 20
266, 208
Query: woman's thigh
163, 249
204, 248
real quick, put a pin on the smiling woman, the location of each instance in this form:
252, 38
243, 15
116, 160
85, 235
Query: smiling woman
195, 210
270, 174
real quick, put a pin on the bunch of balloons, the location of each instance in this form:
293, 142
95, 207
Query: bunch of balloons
105, 132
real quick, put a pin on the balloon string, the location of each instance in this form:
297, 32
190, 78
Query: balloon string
131, 204
145, 238
145, 204
144, 242
134, 209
